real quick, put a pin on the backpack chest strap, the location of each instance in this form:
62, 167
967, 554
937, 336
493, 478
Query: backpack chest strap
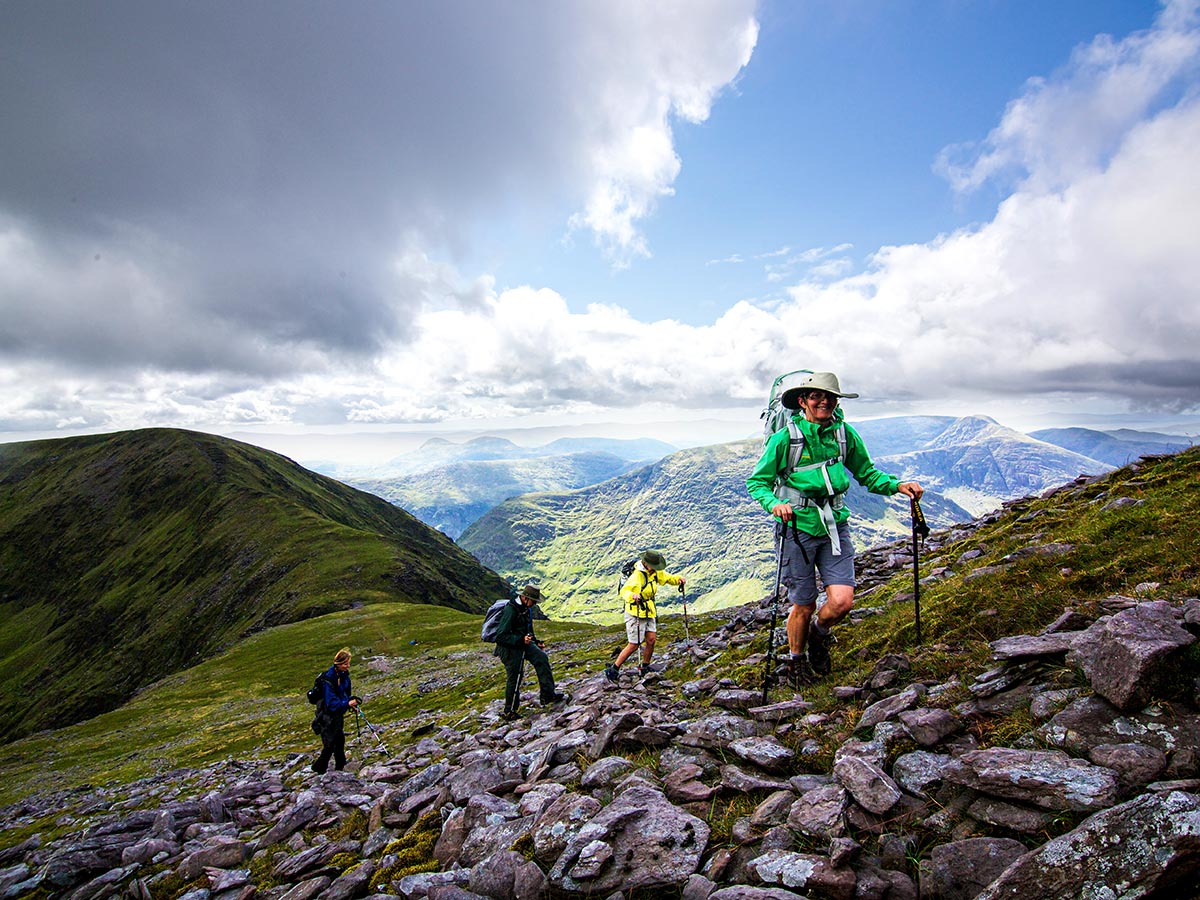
833, 500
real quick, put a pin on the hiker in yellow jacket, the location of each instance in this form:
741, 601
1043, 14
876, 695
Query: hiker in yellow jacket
641, 617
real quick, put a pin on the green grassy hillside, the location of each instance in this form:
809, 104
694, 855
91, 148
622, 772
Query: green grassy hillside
126, 557
692, 506
412, 665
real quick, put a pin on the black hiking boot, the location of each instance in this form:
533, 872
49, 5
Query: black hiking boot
554, 699
818, 650
799, 673
612, 673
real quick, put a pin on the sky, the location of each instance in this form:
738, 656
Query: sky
304, 217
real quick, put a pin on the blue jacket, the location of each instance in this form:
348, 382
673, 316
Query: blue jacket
337, 691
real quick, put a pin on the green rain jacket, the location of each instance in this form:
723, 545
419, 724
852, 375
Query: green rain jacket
820, 445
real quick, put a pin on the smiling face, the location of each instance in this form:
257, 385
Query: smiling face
818, 406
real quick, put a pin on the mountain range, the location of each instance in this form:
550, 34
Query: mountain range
1116, 448
450, 485
694, 507
126, 557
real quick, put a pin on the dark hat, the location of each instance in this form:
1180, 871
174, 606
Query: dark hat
654, 560
814, 381
531, 591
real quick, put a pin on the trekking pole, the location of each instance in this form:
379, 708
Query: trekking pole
770, 664
520, 684
371, 728
686, 630
920, 531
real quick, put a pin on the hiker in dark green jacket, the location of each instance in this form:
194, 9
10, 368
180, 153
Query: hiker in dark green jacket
515, 643
812, 493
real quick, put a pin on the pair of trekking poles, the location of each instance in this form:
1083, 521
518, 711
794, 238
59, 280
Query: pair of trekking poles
359, 720
920, 531
687, 630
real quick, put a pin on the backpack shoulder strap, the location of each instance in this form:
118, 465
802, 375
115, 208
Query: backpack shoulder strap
795, 450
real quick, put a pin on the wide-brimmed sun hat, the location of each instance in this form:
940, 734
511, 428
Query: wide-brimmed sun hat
654, 560
815, 381
532, 592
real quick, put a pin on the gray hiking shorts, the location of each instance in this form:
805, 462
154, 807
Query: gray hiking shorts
800, 578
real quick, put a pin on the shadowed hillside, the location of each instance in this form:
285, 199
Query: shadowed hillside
125, 557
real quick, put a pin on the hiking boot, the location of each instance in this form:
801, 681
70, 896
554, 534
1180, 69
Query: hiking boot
555, 698
510, 716
644, 670
818, 650
612, 673
799, 673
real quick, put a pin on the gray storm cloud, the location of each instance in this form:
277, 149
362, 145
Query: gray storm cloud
231, 186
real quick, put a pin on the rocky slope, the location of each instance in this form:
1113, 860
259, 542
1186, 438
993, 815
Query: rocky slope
1061, 763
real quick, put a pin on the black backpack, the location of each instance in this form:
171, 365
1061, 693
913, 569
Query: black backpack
316, 693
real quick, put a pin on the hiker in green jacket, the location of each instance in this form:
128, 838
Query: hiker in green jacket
641, 617
811, 489
515, 643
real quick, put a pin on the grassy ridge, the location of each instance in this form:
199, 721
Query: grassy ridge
125, 557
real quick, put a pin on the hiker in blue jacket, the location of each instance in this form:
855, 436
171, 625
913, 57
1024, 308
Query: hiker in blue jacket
331, 713
515, 643
810, 490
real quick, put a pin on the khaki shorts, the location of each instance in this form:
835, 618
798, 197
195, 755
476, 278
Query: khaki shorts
636, 629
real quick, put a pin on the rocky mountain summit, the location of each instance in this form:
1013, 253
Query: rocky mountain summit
1068, 766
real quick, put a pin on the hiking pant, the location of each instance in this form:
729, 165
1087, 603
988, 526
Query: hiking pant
799, 575
513, 658
333, 743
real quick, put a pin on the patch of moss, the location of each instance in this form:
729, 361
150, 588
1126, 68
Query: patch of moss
351, 827
524, 845
413, 851
168, 888
262, 868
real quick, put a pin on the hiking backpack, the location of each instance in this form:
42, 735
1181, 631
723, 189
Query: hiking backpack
316, 693
491, 621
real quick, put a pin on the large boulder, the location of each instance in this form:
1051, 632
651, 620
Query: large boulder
1048, 779
638, 841
1147, 847
1126, 655
961, 869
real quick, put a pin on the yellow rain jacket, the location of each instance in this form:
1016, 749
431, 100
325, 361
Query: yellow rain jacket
643, 583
